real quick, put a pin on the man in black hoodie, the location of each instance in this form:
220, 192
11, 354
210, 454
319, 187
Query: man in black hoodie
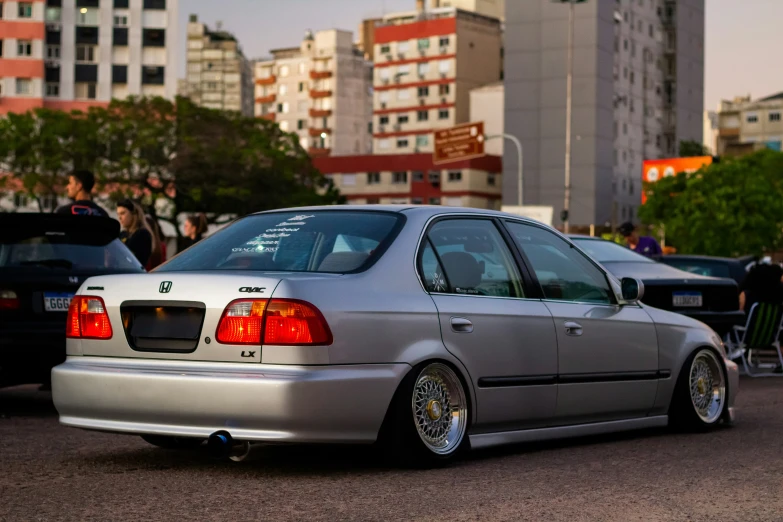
79, 189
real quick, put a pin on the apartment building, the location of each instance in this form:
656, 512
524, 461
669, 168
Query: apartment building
426, 64
321, 91
491, 8
75, 54
638, 91
219, 75
746, 125
414, 179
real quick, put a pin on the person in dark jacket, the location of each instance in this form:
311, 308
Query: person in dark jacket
135, 232
79, 189
763, 284
195, 227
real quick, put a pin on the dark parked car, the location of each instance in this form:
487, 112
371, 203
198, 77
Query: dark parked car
711, 300
44, 259
732, 268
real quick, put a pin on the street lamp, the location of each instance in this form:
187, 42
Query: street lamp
516, 142
569, 90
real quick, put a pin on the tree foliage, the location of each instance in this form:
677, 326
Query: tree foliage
199, 160
693, 149
730, 208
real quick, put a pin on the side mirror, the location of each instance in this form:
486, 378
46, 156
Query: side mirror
632, 290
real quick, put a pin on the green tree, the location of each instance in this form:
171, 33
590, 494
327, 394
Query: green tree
731, 208
693, 149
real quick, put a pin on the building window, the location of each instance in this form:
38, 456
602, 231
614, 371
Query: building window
284, 126
384, 144
423, 115
491, 179
434, 177
1, 42
403, 47
154, 4
85, 91
422, 140
284, 71
444, 66
455, 176
418, 176
383, 120
87, 16
52, 51
282, 107
753, 118
349, 180
424, 44
373, 201
399, 177
24, 48
52, 14
434, 201
424, 68
416, 201
282, 90
444, 41
302, 86
53, 90
402, 118
385, 49
120, 21
402, 143
20, 200
444, 89
774, 116
404, 94
25, 10
373, 178
424, 92
443, 114
24, 86
301, 124
86, 54
302, 68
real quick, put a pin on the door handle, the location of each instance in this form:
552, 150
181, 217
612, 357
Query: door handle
461, 325
573, 328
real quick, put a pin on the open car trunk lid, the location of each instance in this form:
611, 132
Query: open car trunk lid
172, 315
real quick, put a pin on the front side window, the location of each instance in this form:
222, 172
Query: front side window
318, 241
472, 260
564, 273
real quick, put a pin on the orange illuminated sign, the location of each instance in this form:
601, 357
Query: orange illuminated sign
654, 170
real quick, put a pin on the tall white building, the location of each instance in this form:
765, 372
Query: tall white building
78, 53
320, 90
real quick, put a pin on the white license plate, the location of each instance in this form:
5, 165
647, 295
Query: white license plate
57, 302
687, 299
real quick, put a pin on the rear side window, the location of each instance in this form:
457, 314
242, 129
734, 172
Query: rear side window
59, 251
320, 241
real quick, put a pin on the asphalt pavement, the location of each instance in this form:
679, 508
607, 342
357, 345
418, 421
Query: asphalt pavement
49, 472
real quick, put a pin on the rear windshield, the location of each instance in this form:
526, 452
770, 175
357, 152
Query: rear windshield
59, 251
705, 268
321, 241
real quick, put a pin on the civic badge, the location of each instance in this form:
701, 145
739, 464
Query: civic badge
165, 287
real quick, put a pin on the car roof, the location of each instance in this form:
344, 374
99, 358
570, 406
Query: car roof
88, 230
419, 210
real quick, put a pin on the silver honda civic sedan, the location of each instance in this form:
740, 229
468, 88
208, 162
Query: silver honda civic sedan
428, 330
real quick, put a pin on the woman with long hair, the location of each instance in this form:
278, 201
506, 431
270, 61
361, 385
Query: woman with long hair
194, 228
160, 256
136, 233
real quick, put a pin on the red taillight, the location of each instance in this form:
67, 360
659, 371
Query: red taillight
242, 322
295, 323
88, 319
8, 300
278, 322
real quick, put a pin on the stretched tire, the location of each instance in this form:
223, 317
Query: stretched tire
172, 443
428, 418
700, 395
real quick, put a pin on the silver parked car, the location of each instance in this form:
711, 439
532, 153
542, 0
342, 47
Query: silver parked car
427, 329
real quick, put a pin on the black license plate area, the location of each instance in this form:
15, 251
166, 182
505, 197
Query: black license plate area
163, 328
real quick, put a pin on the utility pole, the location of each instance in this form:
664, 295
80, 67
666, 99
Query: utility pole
569, 90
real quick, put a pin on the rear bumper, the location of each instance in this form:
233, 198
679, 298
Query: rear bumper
250, 401
721, 322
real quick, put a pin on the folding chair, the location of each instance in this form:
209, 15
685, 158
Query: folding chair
761, 334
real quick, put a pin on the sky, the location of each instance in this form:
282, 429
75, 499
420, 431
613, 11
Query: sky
742, 48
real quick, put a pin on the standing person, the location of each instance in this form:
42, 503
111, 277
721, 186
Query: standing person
195, 226
644, 245
135, 231
79, 189
158, 239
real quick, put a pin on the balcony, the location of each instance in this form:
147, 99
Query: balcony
320, 75
320, 113
320, 94
316, 152
271, 98
270, 116
269, 80
725, 132
318, 132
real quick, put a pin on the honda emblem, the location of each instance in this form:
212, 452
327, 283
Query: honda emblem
165, 287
